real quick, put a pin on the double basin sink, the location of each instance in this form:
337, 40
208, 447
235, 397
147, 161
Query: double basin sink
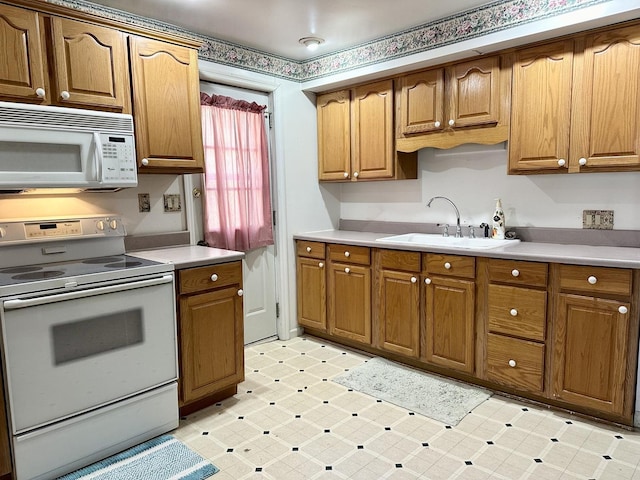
436, 240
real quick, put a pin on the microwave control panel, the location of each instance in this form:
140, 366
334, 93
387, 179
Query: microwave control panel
119, 154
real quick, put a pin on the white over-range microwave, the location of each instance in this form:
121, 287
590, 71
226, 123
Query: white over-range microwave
46, 147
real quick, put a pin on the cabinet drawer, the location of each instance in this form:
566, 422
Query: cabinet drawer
520, 312
207, 278
515, 363
350, 254
518, 272
397, 260
310, 249
595, 279
454, 265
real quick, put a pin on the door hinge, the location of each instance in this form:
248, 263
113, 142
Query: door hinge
277, 310
274, 217
270, 120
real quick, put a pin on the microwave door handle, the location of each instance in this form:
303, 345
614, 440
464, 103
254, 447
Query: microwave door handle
98, 155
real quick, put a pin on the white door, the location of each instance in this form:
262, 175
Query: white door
259, 272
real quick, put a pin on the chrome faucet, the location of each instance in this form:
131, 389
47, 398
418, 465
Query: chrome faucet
458, 228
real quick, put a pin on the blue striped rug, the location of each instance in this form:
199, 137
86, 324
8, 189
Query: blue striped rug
161, 458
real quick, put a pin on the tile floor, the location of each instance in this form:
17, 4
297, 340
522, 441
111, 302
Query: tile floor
289, 421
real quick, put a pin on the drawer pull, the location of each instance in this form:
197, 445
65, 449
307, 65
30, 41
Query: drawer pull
320, 265
622, 309
240, 292
592, 280
447, 265
414, 279
512, 363
427, 281
308, 249
214, 277
513, 312
515, 272
347, 270
347, 254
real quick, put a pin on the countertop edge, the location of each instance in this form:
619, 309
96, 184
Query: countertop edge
183, 257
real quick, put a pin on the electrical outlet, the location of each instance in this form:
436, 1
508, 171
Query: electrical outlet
144, 204
597, 219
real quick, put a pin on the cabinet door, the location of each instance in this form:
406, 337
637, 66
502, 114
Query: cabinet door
311, 285
334, 135
399, 314
349, 300
90, 65
5, 449
605, 130
474, 93
166, 105
590, 352
540, 109
211, 342
21, 61
449, 309
421, 102
372, 117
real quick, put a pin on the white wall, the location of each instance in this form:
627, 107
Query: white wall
474, 175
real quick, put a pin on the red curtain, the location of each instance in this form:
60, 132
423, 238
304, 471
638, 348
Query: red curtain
237, 192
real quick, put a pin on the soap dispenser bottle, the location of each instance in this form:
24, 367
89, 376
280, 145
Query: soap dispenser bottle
497, 228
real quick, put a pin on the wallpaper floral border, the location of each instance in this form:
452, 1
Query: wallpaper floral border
490, 18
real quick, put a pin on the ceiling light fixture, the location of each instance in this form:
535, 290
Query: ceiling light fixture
311, 43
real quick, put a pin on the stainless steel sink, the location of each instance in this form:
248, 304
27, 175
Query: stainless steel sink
436, 240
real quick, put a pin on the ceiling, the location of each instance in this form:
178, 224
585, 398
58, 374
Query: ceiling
275, 26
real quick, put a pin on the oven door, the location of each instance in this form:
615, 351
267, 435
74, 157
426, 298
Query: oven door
72, 352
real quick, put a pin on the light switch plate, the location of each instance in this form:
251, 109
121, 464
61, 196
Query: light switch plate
172, 203
597, 219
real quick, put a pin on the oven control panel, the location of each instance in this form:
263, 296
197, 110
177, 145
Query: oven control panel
68, 229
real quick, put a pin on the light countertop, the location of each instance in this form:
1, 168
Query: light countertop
187, 256
622, 257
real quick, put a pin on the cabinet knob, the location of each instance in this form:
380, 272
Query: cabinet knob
622, 309
64, 95
436, 124
562, 162
356, 174
308, 249
347, 270
582, 162
145, 161
345, 174
513, 312
447, 265
452, 122
240, 292
592, 280
40, 92
515, 272
427, 281
347, 254
512, 363
214, 277
320, 265
414, 279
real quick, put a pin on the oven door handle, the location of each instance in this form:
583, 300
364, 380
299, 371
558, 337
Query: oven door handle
31, 302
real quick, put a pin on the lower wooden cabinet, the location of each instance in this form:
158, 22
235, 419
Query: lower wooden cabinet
5, 448
211, 330
311, 285
349, 301
515, 363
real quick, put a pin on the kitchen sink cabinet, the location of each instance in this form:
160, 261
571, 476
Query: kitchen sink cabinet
210, 332
397, 315
467, 102
166, 107
356, 136
595, 339
449, 283
588, 119
60, 61
349, 293
311, 285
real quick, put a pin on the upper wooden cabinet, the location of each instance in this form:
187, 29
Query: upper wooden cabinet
576, 105
88, 62
356, 136
447, 106
166, 107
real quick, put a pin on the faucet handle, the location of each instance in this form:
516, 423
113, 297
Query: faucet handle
472, 231
445, 230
